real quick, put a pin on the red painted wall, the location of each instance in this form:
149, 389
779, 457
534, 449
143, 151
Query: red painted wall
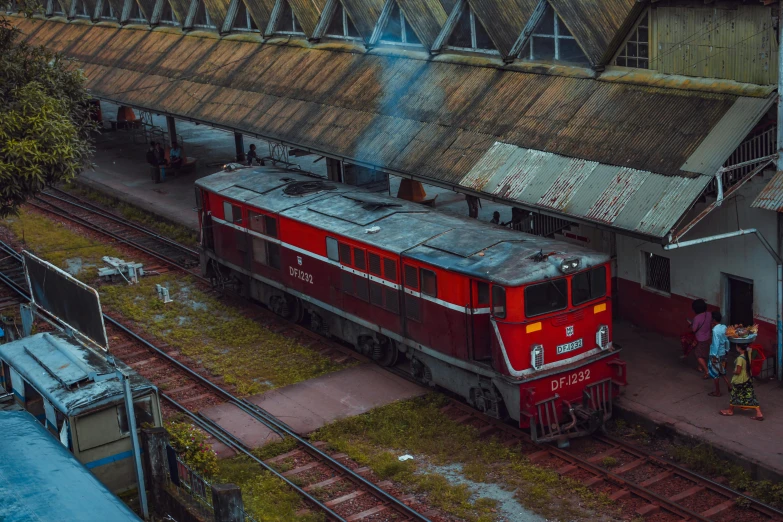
667, 315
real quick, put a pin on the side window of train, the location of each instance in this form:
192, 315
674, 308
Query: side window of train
483, 293
255, 222
270, 224
232, 213
411, 277
332, 251
344, 252
499, 301
429, 283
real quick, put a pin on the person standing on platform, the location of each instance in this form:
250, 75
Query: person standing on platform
252, 156
719, 348
495, 218
474, 204
742, 394
160, 157
175, 156
700, 327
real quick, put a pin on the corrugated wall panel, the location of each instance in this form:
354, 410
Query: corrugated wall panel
503, 19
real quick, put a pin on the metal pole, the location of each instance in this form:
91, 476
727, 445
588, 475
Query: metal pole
778, 261
780, 89
131, 416
239, 145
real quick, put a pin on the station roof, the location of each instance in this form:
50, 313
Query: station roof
73, 378
608, 152
463, 245
41, 480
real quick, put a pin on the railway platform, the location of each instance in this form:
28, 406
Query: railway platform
664, 391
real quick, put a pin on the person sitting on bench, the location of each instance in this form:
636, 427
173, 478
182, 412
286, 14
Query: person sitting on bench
175, 156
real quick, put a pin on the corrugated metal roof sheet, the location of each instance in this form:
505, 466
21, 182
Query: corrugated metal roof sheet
433, 120
771, 197
586, 190
364, 14
180, 9
307, 13
426, 18
217, 9
503, 19
598, 25
737, 123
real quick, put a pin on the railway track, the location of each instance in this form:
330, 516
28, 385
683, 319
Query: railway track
89, 215
649, 486
653, 488
338, 485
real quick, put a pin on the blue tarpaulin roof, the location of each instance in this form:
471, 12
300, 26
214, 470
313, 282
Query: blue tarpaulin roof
41, 480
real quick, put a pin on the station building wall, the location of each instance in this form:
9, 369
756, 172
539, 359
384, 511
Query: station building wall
701, 271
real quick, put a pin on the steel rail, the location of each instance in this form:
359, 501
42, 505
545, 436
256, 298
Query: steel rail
260, 415
83, 222
91, 207
234, 443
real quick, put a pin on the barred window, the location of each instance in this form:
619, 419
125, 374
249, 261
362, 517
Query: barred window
375, 264
657, 273
636, 51
411, 277
345, 254
390, 269
358, 259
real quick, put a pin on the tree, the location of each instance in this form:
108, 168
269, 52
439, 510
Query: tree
45, 124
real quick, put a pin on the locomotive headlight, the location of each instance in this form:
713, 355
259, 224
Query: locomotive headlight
569, 265
537, 356
602, 337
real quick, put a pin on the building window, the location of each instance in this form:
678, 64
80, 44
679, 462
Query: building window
81, 10
243, 20
552, 41
142, 409
657, 275
398, 30
202, 18
107, 13
636, 51
136, 15
168, 17
288, 23
470, 35
341, 25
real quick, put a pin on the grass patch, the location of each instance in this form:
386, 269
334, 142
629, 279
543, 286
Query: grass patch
418, 427
57, 244
178, 233
702, 459
243, 352
264, 496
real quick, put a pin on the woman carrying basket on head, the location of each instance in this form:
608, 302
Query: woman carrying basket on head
742, 394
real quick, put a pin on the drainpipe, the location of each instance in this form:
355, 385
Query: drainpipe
778, 261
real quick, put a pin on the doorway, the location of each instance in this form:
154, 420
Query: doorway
739, 300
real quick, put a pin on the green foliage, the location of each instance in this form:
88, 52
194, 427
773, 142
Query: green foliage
418, 427
44, 119
609, 462
191, 444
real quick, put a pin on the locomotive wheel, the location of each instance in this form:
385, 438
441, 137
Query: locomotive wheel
385, 352
287, 307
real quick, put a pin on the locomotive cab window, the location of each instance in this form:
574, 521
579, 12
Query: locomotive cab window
546, 297
498, 301
270, 223
429, 283
588, 285
232, 213
262, 224
331, 249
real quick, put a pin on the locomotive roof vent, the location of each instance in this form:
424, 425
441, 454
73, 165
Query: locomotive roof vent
303, 188
373, 205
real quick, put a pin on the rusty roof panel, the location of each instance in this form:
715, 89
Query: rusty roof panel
503, 19
598, 25
426, 18
364, 14
530, 138
771, 197
307, 13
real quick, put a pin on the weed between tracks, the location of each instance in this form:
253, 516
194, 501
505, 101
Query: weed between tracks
418, 427
220, 338
172, 231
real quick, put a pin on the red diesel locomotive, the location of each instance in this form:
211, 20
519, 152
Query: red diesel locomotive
518, 325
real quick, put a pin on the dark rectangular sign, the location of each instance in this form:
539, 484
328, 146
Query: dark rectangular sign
66, 298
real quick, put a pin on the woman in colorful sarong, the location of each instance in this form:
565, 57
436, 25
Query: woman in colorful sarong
742, 394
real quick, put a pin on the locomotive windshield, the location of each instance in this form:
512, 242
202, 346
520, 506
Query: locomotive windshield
546, 297
588, 285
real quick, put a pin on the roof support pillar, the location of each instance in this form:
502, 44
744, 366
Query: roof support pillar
780, 90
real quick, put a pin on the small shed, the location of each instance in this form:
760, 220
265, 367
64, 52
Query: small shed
41, 480
75, 393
